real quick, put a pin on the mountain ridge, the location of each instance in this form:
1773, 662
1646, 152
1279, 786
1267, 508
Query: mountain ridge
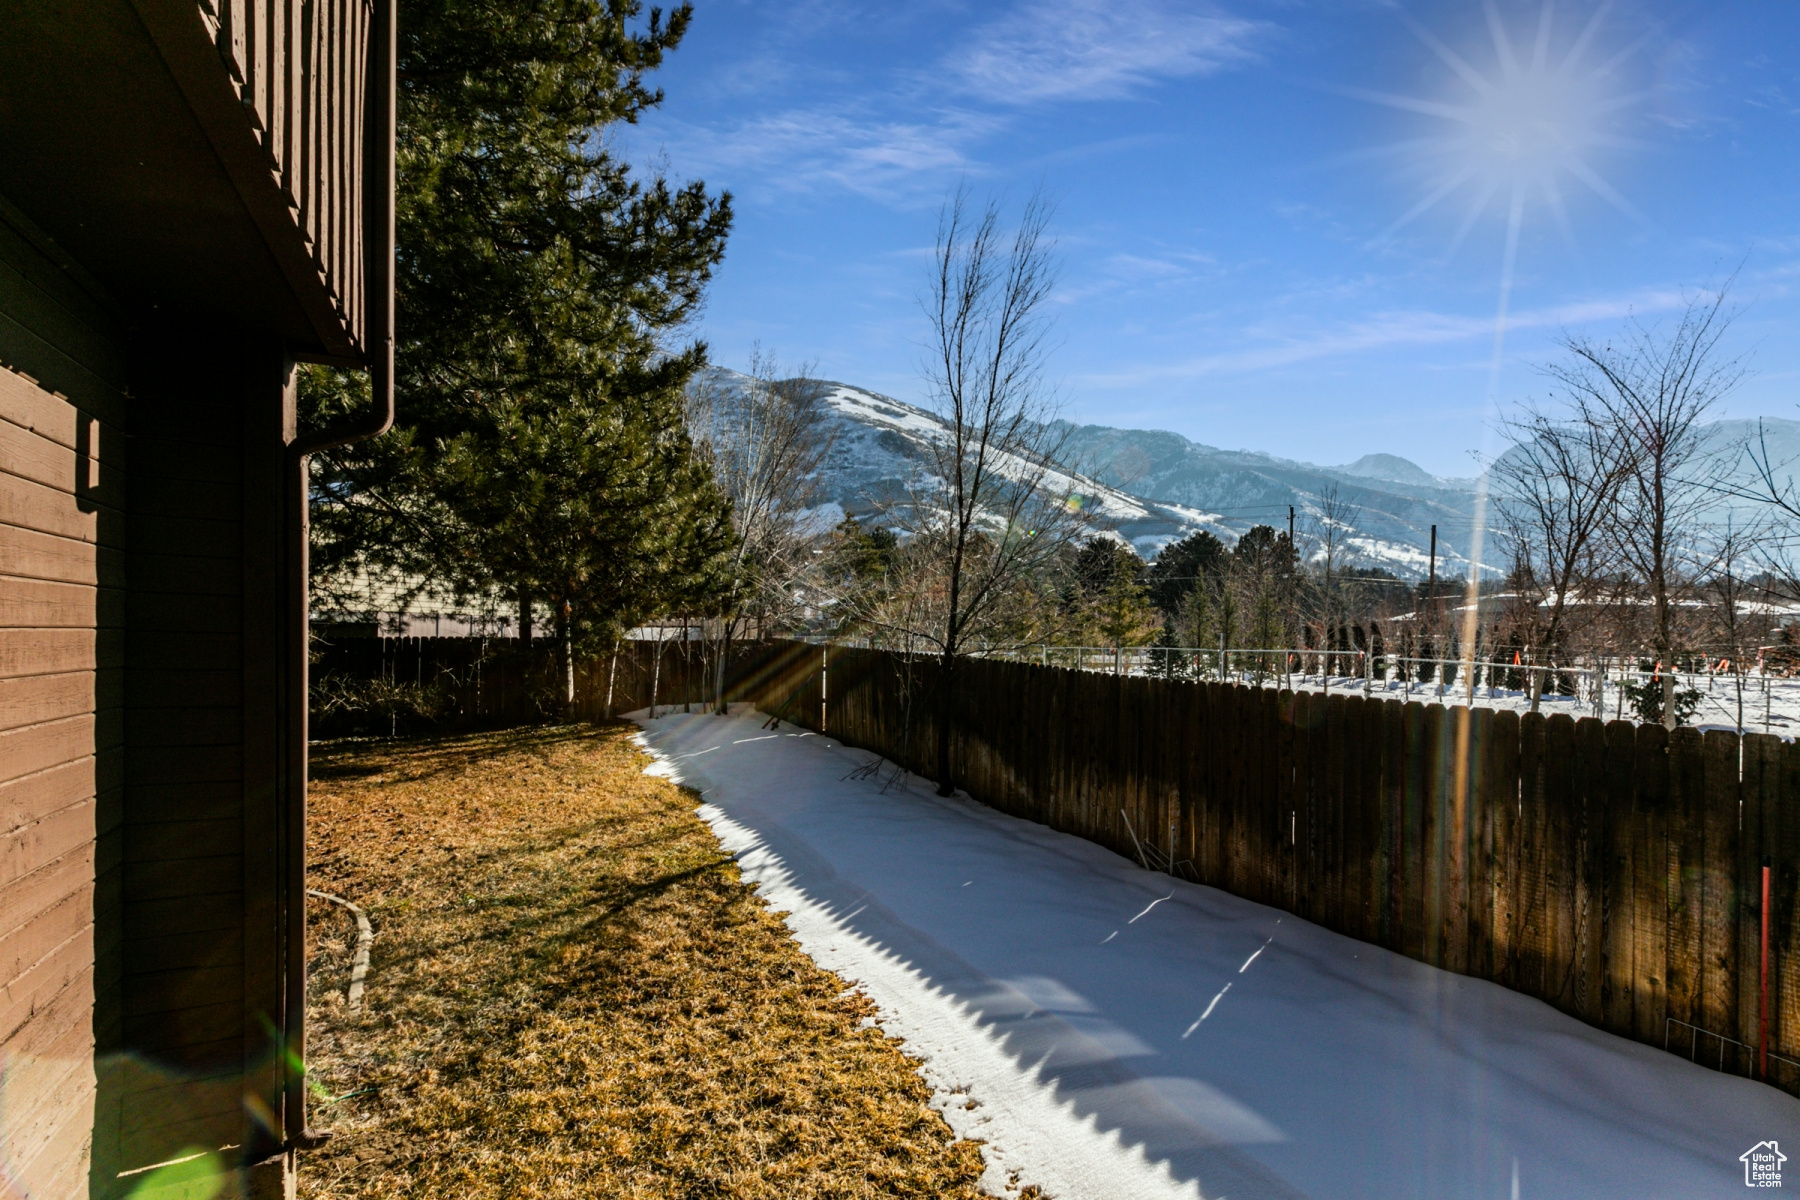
1150, 487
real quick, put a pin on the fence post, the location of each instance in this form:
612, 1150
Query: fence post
1762, 1015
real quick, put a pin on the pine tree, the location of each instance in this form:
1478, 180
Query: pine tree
1196, 620
602, 507
1122, 612
538, 278
1182, 566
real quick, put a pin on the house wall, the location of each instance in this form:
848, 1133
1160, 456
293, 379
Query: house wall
151, 737
63, 472
201, 1012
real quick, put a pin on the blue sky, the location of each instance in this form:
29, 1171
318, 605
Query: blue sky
1238, 193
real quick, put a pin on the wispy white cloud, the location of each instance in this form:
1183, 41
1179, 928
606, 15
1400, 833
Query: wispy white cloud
801, 149
900, 135
1382, 331
1098, 49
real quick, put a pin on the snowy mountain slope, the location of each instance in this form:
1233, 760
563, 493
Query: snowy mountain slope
1390, 468
1391, 520
881, 455
881, 458
881, 452
1152, 487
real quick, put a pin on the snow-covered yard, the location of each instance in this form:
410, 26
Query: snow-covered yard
1770, 704
1114, 1033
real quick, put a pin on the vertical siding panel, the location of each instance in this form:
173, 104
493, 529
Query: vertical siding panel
1355, 820
1331, 813
1505, 803
284, 20
1263, 748
1301, 819
308, 158
1651, 855
1432, 834
1686, 886
259, 50
1759, 798
1784, 928
1531, 940
236, 17
1218, 845
1415, 826
1718, 923
1460, 777
1591, 857
1561, 860
340, 140
1480, 868
1393, 820
1619, 900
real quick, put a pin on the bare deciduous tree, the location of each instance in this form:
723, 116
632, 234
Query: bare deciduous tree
1651, 393
1734, 626
1332, 524
1774, 486
996, 509
1558, 488
766, 441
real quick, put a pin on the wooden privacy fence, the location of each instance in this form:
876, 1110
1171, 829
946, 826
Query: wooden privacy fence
492, 681
1614, 870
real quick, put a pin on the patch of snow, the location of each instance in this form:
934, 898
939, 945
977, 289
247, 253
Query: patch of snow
1110, 1032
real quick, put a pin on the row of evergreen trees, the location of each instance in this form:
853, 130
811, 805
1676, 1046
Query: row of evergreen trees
540, 451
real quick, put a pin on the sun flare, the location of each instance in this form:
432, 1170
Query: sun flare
1520, 132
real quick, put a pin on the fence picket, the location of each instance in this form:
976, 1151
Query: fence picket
1718, 929
1687, 868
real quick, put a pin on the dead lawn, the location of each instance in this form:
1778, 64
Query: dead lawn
574, 995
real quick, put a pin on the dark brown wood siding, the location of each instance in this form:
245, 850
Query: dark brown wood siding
201, 952
150, 748
62, 481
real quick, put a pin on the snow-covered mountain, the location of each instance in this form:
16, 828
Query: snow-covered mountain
1148, 487
880, 449
1152, 487
1389, 519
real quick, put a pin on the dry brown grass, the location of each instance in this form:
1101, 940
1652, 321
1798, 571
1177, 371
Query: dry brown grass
574, 995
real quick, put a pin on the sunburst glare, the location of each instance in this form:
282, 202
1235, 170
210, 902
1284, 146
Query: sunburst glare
1518, 134
1522, 131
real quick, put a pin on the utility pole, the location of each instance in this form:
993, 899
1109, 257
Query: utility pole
1431, 584
1291, 525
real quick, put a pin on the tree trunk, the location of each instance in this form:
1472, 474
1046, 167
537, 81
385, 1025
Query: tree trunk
612, 676
656, 670
565, 656
1665, 651
946, 698
719, 668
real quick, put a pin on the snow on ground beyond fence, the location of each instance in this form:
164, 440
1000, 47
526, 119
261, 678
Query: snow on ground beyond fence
1771, 702
1115, 1033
